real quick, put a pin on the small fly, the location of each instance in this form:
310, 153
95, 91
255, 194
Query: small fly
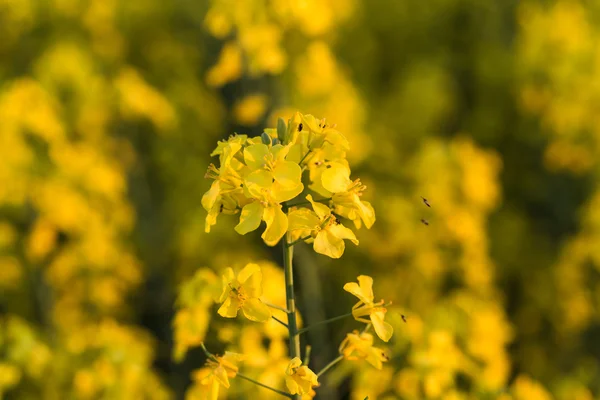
424, 221
425, 201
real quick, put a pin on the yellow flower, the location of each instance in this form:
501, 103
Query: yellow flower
273, 181
216, 373
226, 193
359, 346
243, 293
323, 226
346, 196
366, 306
299, 379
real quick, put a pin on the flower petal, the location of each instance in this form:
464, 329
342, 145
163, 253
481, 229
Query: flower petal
342, 232
366, 286
256, 310
303, 218
258, 182
382, 328
336, 178
320, 209
250, 218
277, 225
328, 244
229, 308
227, 278
364, 292
291, 384
284, 193
254, 155
251, 279
210, 197
287, 173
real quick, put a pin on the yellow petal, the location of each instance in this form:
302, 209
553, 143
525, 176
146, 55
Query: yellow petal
250, 218
329, 244
210, 197
254, 155
291, 385
251, 279
214, 390
321, 209
364, 292
337, 139
227, 278
311, 123
277, 225
221, 376
367, 213
303, 218
382, 328
366, 286
229, 308
284, 193
342, 232
287, 173
336, 178
257, 182
256, 310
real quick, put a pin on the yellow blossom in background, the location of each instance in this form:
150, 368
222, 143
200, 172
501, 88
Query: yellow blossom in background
220, 370
358, 346
299, 379
228, 68
527, 388
250, 109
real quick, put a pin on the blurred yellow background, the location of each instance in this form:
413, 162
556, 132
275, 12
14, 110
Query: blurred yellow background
109, 111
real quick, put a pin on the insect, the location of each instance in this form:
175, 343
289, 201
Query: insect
300, 127
424, 221
403, 317
425, 201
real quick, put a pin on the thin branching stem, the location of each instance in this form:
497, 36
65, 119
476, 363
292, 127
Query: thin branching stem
275, 307
302, 239
330, 365
327, 321
289, 396
280, 321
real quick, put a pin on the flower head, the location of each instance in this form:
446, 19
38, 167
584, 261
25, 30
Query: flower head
242, 292
257, 176
299, 379
359, 346
367, 307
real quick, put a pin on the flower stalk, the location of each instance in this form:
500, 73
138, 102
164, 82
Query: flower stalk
294, 338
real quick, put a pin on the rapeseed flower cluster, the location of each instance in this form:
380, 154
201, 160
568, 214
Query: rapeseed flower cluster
258, 178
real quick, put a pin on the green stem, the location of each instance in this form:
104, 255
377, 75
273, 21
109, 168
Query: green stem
307, 355
288, 256
327, 321
330, 365
289, 396
302, 239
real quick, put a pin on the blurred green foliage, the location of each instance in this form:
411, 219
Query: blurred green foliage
109, 111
